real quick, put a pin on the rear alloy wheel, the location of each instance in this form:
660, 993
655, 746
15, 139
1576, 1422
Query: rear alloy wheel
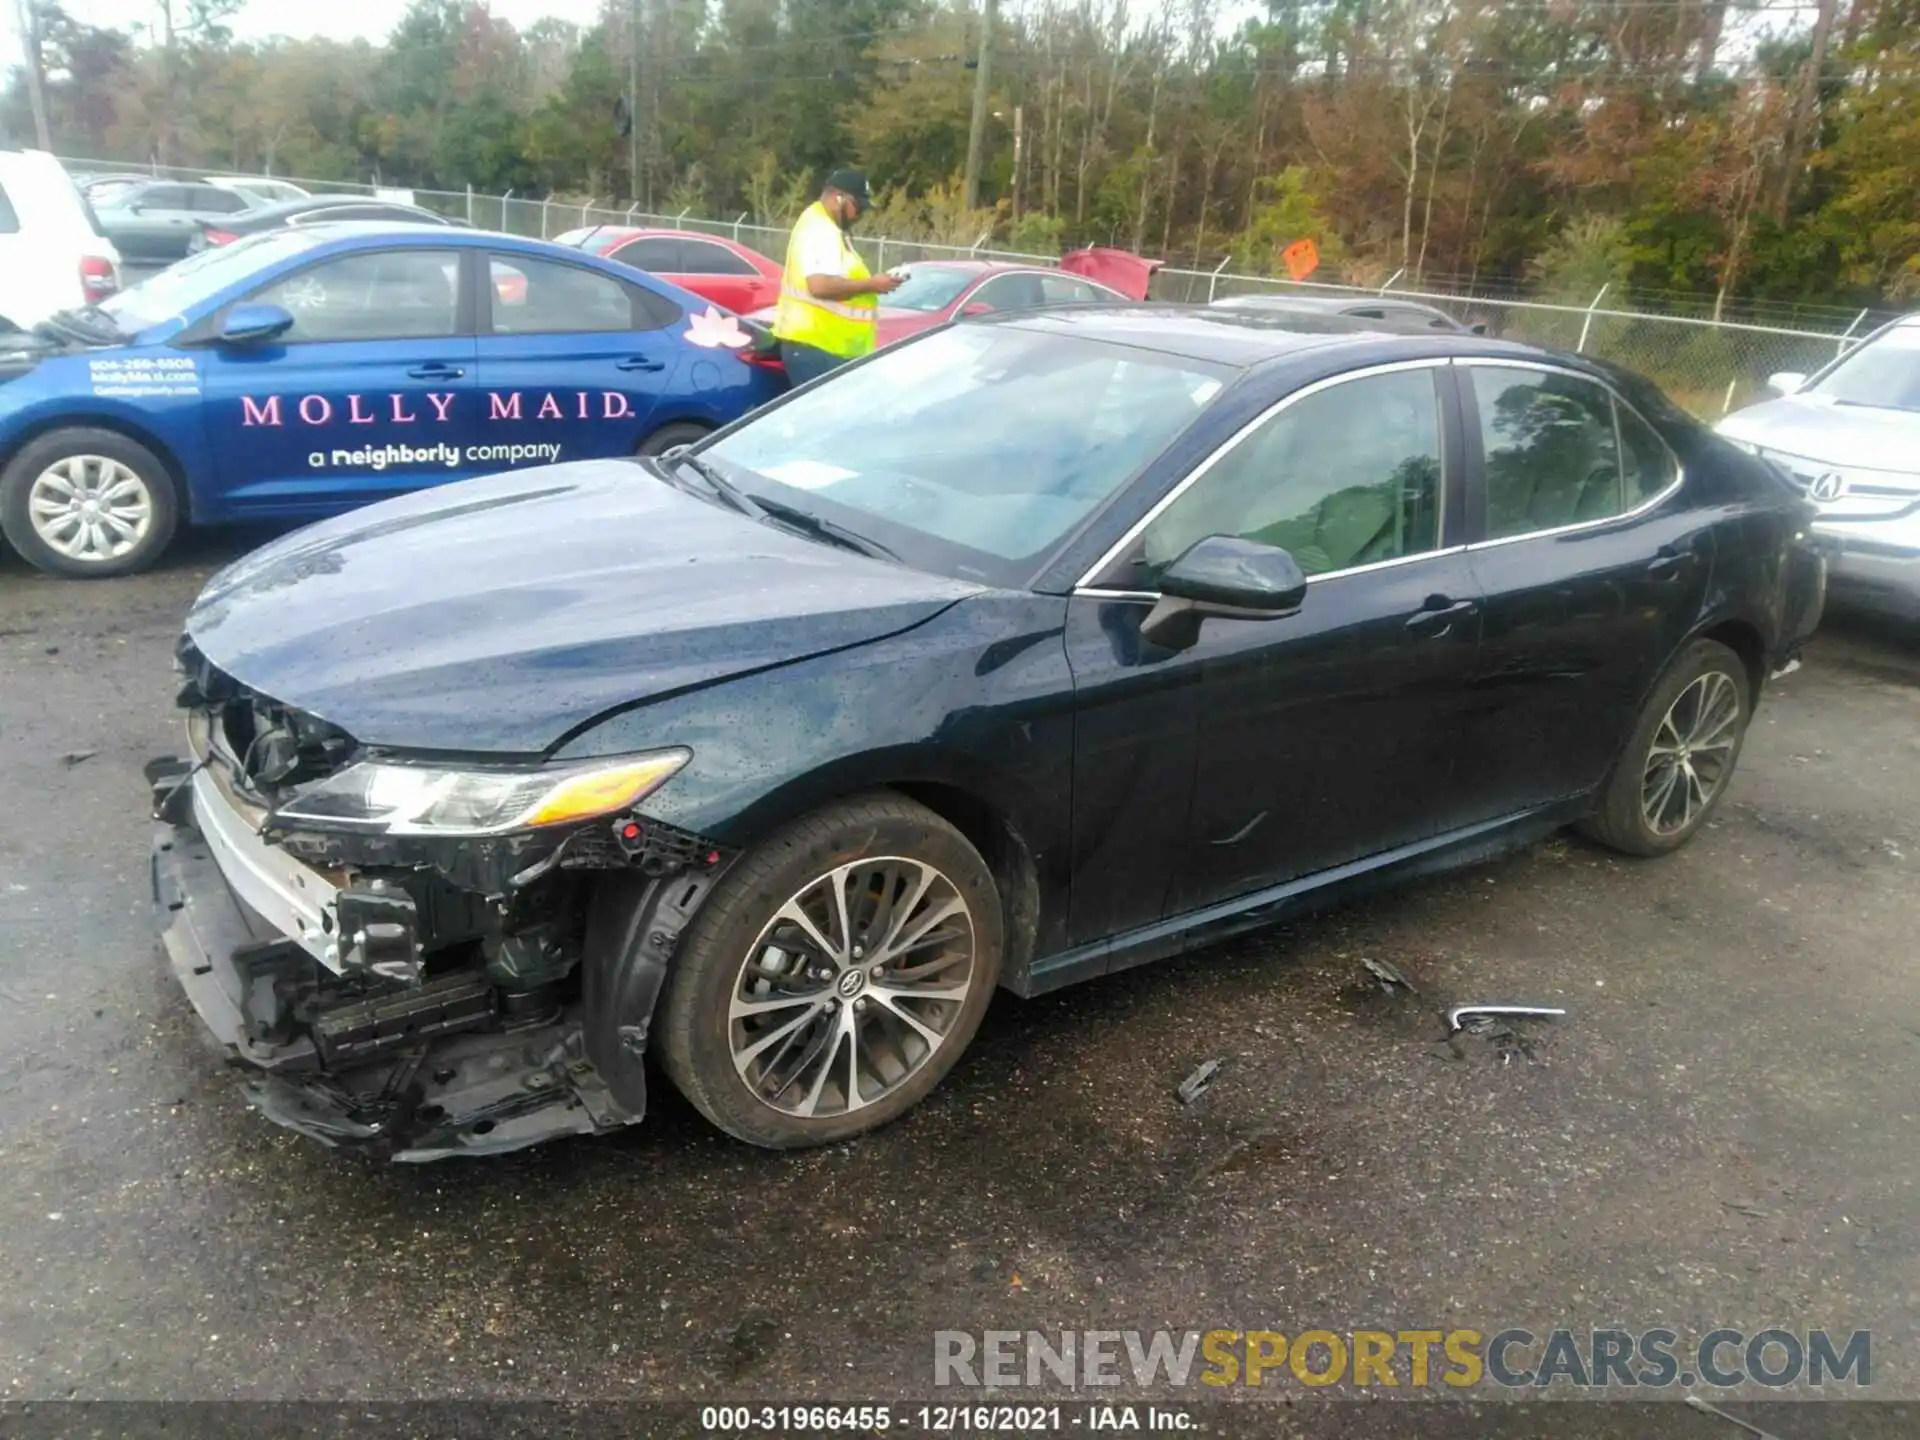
836, 975
87, 503
1681, 757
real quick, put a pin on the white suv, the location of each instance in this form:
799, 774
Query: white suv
1849, 436
52, 254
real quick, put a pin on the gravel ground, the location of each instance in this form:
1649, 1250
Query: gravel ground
1721, 1132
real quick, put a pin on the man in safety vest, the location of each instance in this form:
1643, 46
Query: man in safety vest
828, 298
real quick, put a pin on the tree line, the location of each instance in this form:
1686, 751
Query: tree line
1748, 157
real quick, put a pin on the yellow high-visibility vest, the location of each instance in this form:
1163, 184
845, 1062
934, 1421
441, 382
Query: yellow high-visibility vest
840, 327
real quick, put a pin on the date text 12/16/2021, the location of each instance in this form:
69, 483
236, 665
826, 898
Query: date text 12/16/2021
942, 1419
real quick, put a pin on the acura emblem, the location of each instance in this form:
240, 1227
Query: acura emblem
1828, 487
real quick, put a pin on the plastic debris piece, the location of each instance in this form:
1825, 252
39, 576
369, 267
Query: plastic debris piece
1389, 976
1195, 1085
1458, 1015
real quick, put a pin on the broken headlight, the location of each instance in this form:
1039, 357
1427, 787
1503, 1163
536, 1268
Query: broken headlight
400, 798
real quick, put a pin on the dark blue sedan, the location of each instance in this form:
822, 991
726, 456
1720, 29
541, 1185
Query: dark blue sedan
299, 373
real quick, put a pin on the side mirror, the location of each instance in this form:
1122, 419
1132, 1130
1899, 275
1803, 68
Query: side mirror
1225, 576
976, 308
1479, 327
254, 324
1787, 382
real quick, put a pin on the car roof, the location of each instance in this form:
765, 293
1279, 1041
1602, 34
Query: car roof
323, 202
645, 232
991, 267
402, 233
1245, 338
1323, 304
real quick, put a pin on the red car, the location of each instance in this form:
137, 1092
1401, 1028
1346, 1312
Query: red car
719, 270
938, 290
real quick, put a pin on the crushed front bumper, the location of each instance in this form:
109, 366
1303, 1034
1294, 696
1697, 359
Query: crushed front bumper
412, 1072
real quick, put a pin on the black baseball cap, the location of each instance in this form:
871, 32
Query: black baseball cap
851, 182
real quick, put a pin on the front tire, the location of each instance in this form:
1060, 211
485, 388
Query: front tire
1681, 756
87, 503
669, 436
835, 976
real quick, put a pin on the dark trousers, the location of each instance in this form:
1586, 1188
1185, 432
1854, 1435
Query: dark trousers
807, 362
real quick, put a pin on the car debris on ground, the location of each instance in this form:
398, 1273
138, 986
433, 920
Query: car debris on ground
1389, 977
1196, 1084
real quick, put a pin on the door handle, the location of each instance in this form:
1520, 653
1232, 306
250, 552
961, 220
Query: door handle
1436, 617
1672, 561
640, 362
436, 371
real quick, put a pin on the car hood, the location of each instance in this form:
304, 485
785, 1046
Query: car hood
1846, 437
502, 615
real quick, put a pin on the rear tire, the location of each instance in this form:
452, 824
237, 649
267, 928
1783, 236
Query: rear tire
786, 1031
668, 436
87, 503
1681, 756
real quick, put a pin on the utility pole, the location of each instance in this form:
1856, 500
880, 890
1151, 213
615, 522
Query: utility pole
633, 98
36, 70
1018, 128
977, 131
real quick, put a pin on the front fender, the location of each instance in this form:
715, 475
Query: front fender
978, 700
63, 393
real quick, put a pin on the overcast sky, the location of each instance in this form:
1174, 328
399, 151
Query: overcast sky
334, 19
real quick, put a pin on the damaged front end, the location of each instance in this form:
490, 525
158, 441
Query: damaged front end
416, 958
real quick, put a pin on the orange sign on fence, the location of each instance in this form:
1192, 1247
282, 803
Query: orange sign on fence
1302, 257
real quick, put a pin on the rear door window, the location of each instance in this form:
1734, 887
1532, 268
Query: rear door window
1062, 290
1650, 466
1019, 291
658, 254
1552, 452
546, 297
697, 257
215, 201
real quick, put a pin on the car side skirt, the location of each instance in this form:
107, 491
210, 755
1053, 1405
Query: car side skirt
1181, 933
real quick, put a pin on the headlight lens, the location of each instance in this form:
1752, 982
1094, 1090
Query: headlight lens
397, 798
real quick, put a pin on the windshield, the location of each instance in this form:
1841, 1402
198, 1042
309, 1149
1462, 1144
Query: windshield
199, 278
929, 287
1883, 373
972, 451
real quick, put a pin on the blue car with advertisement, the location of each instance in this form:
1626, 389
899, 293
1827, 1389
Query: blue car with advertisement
299, 373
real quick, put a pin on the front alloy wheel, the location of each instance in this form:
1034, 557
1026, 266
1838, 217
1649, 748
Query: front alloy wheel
834, 975
853, 986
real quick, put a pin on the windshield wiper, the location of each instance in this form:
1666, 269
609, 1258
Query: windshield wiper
824, 529
89, 322
720, 485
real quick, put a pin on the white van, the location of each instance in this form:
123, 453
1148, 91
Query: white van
52, 254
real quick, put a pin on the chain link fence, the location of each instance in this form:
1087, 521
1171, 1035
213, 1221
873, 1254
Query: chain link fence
1709, 366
